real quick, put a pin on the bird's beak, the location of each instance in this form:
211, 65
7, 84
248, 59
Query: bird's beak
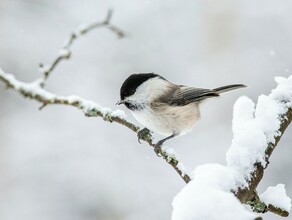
120, 102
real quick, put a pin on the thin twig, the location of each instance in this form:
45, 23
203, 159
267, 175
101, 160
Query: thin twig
65, 53
47, 98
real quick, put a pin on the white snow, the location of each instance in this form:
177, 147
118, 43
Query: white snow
34, 88
172, 155
89, 106
283, 92
209, 195
276, 196
82, 28
170, 151
182, 168
254, 128
119, 113
64, 52
248, 144
267, 116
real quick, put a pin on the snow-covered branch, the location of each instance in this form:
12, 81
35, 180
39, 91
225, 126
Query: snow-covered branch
35, 90
257, 131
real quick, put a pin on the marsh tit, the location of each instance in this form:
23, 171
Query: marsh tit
163, 107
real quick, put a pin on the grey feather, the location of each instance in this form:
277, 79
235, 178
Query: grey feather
229, 88
183, 95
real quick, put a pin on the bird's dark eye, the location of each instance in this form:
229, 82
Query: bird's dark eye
132, 107
129, 105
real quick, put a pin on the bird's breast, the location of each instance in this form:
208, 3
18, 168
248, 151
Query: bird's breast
167, 120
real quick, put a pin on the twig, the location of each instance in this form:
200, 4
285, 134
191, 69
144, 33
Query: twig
65, 53
260, 207
36, 91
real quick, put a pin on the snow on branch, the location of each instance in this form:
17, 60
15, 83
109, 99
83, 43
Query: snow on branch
216, 191
35, 90
275, 196
257, 131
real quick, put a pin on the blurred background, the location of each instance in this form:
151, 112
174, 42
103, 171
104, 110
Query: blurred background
56, 164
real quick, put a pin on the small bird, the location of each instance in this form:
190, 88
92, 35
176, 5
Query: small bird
163, 107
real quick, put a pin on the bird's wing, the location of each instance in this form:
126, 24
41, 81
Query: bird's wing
184, 95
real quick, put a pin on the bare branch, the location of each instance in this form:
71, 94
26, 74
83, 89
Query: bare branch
65, 53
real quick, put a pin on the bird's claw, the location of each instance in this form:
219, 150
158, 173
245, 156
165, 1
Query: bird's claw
142, 134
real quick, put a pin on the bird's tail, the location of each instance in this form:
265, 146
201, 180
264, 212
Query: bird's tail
228, 88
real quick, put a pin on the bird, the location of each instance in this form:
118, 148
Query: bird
163, 107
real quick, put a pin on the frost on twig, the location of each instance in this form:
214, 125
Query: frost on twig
65, 53
35, 91
170, 156
208, 196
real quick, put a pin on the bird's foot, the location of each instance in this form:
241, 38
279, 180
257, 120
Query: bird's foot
157, 148
143, 134
158, 145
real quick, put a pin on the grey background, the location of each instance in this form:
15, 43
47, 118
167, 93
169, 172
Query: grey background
58, 164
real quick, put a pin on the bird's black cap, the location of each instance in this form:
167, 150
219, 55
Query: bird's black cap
133, 81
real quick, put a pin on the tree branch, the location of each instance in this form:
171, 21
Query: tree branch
35, 91
65, 53
249, 194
